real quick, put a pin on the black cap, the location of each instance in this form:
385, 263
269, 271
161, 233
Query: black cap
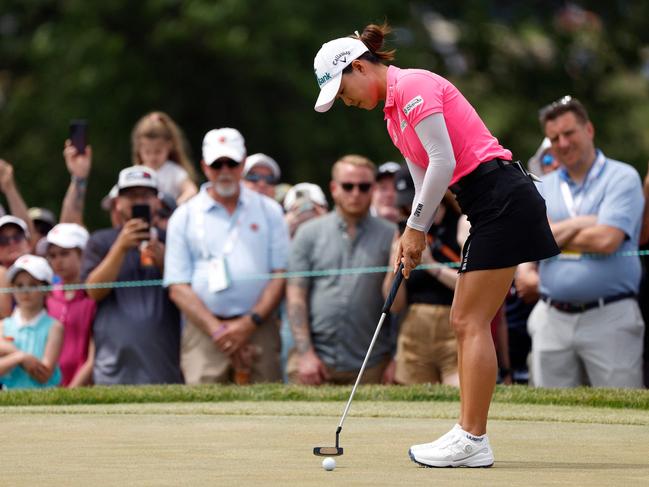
405, 187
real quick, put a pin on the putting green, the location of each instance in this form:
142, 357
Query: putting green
270, 443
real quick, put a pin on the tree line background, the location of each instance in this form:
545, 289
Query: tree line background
248, 65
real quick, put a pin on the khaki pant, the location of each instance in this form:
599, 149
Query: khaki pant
371, 375
601, 347
426, 347
203, 363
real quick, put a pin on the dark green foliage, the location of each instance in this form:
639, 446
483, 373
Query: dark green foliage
248, 65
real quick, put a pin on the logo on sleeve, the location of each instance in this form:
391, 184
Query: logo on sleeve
418, 210
417, 100
404, 124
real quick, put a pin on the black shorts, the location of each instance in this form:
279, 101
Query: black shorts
509, 222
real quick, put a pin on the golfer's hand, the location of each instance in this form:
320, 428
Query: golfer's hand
411, 244
311, 370
235, 334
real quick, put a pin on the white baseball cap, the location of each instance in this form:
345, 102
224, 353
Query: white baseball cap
332, 58
68, 236
14, 220
260, 159
308, 190
107, 200
35, 266
225, 142
137, 177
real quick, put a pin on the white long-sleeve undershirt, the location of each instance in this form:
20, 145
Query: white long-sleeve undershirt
431, 183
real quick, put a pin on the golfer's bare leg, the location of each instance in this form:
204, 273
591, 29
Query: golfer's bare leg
478, 295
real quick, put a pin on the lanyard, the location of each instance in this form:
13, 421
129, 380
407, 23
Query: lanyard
231, 239
573, 205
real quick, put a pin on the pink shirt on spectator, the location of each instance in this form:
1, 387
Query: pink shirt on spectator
414, 94
76, 315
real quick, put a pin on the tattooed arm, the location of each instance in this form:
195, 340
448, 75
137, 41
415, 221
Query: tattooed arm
79, 167
311, 370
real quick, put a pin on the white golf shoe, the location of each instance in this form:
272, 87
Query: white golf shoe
457, 448
438, 440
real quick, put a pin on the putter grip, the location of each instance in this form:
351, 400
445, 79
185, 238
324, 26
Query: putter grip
393, 290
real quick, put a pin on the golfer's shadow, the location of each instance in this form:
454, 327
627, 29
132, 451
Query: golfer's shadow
515, 465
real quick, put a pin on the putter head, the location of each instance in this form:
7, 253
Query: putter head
328, 451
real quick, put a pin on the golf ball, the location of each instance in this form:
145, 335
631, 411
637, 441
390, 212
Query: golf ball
328, 463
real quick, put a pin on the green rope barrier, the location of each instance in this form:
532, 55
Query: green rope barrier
290, 275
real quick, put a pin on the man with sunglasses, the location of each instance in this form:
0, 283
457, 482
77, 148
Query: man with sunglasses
261, 173
333, 317
217, 242
587, 327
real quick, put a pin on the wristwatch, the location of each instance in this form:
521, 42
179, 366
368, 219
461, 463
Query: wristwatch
256, 319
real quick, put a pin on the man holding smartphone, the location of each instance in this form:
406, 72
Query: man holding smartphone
137, 329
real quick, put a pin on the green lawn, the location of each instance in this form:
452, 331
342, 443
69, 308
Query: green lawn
607, 398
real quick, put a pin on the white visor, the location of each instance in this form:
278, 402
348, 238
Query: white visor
328, 94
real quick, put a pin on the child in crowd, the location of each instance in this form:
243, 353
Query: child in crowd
158, 143
74, 308
30, 339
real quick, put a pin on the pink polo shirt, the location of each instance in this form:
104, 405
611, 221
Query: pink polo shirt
414, 94
76, 315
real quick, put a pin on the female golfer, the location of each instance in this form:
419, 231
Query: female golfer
446, 144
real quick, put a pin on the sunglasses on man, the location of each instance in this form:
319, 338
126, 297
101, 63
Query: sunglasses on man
219, 163
362, 187
255, 178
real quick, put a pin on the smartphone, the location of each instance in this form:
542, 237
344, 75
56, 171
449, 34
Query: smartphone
143, 212
79, 135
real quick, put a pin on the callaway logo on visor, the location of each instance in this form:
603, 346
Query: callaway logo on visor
341, 57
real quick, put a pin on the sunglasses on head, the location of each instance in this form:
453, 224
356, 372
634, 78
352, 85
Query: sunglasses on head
362, 187
255, 178
560, 104
547, 160
219, 163
9, 239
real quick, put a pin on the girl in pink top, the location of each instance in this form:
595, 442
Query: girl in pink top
446, 145
73, 308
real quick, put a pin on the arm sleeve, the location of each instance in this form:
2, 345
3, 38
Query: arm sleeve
430, 189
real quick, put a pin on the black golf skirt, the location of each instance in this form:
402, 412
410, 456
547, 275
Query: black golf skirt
509, 223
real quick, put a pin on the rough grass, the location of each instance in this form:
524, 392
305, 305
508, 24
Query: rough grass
583, 396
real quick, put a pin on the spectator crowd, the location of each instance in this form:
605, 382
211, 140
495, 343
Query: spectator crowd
79, 309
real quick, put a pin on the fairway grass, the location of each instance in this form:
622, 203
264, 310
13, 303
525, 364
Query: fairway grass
269, 443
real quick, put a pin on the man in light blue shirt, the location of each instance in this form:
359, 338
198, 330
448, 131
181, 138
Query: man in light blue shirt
587, 328
221, 247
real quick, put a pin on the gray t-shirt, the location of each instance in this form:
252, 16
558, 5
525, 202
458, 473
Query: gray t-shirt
136, 329
344, 310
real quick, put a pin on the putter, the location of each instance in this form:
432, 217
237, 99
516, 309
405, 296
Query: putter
334, 451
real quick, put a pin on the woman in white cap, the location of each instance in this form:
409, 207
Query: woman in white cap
446, 145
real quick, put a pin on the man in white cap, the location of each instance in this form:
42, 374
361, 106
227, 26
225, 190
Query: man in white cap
261, 173
137, 329
74, 308
217, 241
303, 202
